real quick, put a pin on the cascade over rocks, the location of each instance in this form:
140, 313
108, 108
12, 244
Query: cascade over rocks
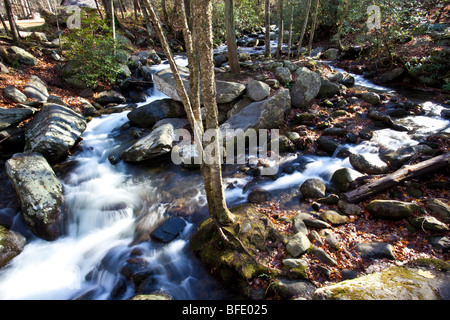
39, 191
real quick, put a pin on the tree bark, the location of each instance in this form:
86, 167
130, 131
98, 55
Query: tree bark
268, 51
12, 24
280, 28
397, 177
313, 28
233, 60
290, 29
305, 24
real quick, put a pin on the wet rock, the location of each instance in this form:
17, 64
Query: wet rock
54, 131
343, 178
157, 143
313, 188
36, 89
40, 193
147, 115
380, 118
169, 230
12, 116
266, 114
305, 88
11, 245
259, 196
328, 144
257, 90
368, 163
14, 94
390, 76
428, 223
391, 209
397, 158
376, 250
110, 96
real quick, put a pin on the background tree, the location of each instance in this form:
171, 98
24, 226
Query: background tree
267, 52
313, 28
233, 59
280, 28
12, 23
305, 24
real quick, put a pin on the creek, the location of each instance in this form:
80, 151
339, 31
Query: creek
111, 208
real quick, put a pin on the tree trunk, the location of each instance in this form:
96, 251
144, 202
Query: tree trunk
268, 52
98, 9
313, 28
166, 16
305, 24
233, 59
290, 29
12, 24
280, 28
397, 177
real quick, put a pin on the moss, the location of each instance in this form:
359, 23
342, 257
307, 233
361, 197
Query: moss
434, 263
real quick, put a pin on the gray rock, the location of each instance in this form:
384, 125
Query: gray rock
323, 256
391, 209
15, 55
397, 158
289, 289
439, 208
343, 178
316, 223
349, 209
331, 54
328, 144
371, 97
328, 89
333, 217
11, 245
110, 96
257, 90
36, 89
298, 225
3, 69
53, 131
169, 230
283, 75
225, 91
381, 118
313, 188
390, 76
266, 114
298, 244
376, 250
12, 116
368, 163
14, 94
305, 88
428, 223
147, 115
39, 191
157, 143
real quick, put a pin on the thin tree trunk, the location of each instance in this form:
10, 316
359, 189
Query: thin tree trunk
305, 24
233, 60
313, 28
290, 29
268, 52
135, 7
280, 28
98, 9
12, 24
166, 16
221, 214
4, 25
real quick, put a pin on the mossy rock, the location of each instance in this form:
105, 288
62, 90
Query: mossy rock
229, 262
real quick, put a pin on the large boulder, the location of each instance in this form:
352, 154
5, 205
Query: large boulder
424, 279
110, 96
266, 114
328, 89
368, 163
257, 90
39, 191
305, 88
147, 115
342, 179
157, 143
391, 209
313, 188
11, 116
36, 89
165, 82
15, 55
54, 131
283, 75
11, 245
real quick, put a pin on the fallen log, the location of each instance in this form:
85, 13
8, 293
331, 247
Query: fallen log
403, 174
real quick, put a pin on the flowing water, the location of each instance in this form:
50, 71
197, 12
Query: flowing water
110, 208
